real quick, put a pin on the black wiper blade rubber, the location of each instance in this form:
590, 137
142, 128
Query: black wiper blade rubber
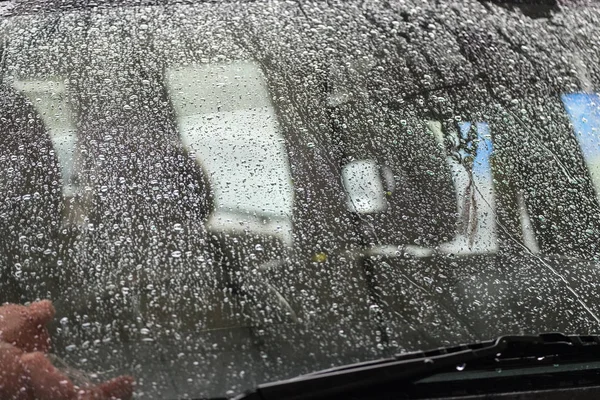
411, 367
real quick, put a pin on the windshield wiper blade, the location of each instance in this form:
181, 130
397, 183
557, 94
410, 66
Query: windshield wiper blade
412, 367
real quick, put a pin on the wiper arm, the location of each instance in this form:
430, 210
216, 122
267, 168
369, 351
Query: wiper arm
411, 367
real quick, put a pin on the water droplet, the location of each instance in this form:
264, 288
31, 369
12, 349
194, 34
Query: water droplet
374, 307
319, 257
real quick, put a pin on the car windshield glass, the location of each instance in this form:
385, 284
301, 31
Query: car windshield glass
219, 194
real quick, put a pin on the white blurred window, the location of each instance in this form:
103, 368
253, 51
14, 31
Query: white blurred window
49, 98
364, 188
226, 119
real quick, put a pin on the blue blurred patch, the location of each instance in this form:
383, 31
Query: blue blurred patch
481, 165
584, 111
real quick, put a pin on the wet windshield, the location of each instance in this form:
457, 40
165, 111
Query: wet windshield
216, 195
